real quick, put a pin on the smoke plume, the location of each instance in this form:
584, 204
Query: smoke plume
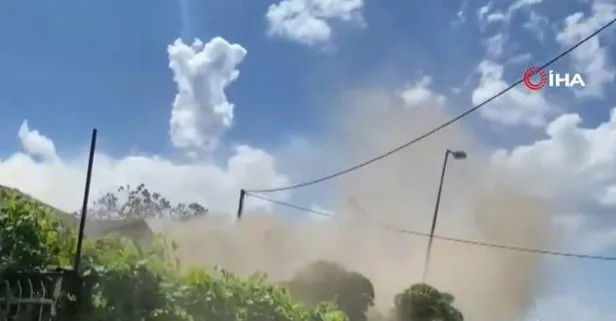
477, 203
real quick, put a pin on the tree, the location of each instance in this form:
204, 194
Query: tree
141, 203
422, 302
325, 281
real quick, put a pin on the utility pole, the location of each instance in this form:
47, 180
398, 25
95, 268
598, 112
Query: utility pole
456, 155
84, 208
240, 206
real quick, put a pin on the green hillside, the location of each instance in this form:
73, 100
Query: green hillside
135, 229
65, 218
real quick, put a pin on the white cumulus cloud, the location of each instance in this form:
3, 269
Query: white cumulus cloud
309, 21
487, 14
516, 107
201, 111
419, 94
35, 143
216, 186
573, 162
592, 58
574, 168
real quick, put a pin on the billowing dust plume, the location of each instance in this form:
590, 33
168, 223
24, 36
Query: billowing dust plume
399, 191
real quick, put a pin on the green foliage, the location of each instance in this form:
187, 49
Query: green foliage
31, 235
421, 302
328, 281
131, 283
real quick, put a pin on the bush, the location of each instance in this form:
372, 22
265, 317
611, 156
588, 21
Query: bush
31, 234
421, 302
324, 281
132, 283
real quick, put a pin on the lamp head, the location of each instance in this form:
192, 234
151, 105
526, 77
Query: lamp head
458, 154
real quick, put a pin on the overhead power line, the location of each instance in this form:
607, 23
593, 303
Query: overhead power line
440, 127
444, 238
289, 205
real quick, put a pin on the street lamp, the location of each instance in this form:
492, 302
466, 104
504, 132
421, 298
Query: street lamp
458, 155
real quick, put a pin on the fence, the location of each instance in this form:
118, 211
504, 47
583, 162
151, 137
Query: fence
40, 295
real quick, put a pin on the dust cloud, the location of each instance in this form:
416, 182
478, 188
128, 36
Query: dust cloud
399, 191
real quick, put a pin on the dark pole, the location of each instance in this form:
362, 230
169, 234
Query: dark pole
435, 217
84, 208
240, 207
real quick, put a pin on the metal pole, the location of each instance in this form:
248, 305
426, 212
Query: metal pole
435, 217
84, 208
240, 208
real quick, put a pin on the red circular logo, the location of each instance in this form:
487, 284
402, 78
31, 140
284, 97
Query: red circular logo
537, 84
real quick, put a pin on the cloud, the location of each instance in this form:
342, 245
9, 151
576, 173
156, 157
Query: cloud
487, 15
568, 306
461, 15
309, 21
590, 59
589, 234
573, 168
574, 164
483, 11
516, 107
419, 94
609, 197
35, 143
213, 185
520, 59
495, 44
537, 24
199, 116
201, 111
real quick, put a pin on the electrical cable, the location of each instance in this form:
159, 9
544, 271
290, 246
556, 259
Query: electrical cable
444, 238
440, 127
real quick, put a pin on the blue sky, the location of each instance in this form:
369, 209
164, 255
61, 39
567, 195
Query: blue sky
69, 66
119, 67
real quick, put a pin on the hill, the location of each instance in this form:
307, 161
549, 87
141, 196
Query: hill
63, 217
137, 229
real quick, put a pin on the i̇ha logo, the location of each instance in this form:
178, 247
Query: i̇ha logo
536, 78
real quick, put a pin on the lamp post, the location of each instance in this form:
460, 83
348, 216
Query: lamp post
458, 155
